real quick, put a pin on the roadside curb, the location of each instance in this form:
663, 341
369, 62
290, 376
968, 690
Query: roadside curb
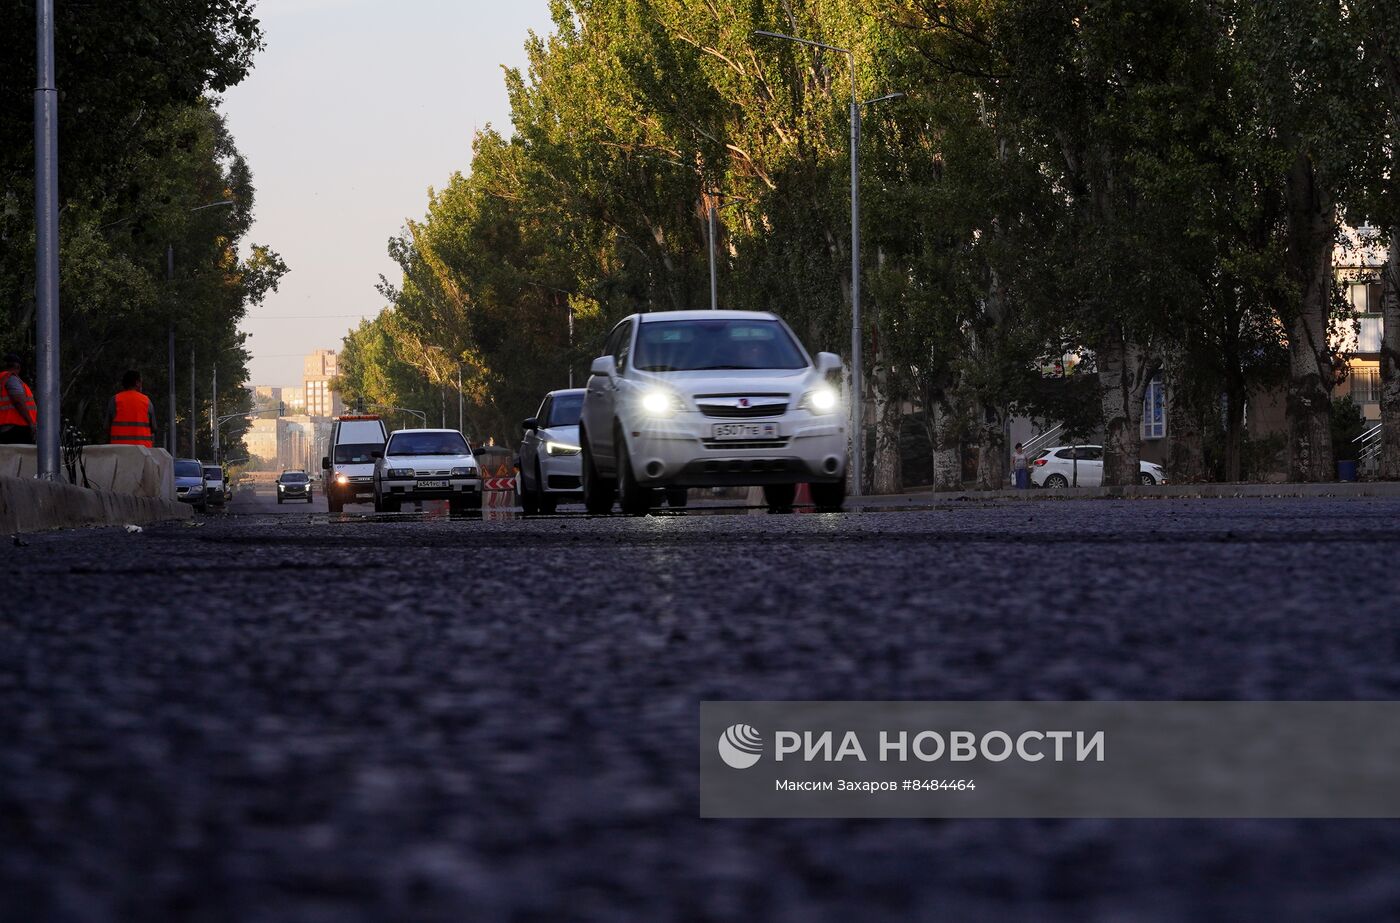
31, 505
1370, 489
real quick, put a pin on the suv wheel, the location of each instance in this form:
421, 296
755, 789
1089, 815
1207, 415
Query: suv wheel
779, 497
829, 498
1147, 480
1056, 482
634, 499
597, 492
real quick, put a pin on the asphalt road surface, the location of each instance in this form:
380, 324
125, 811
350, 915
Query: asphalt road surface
275, 714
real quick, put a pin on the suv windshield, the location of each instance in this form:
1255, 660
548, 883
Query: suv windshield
565, 410
189, 469
699, 345
293, 477
356, 453
427, 444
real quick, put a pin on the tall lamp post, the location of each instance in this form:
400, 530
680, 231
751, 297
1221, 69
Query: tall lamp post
857, 372
46, 243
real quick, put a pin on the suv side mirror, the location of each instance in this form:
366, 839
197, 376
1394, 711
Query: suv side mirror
531, 424
325, 463
603, 365
828, 362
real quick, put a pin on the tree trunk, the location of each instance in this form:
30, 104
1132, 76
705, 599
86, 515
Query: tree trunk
1187, 463
1311, 227
887, 477
943, 433
1235, 397
992, 460
1124, 372
1390, 360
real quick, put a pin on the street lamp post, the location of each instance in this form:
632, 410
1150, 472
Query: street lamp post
857, 370
46, 243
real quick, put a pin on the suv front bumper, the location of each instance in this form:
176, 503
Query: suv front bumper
681, 452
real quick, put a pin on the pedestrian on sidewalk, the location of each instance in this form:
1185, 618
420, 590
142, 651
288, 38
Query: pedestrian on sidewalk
1021, 468
19, 415
131, 417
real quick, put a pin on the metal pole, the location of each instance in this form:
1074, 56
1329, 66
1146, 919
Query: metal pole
46, 244
714, 277
857, 387
571, 344
461, 411
170, 439
214, 412
194, 412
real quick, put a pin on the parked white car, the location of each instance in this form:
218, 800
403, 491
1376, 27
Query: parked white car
1057, 468
426, 464
550, 453
686, 399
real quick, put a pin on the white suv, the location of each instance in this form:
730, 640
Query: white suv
711, 398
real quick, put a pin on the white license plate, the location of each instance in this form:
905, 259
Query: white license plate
433, 485
745, 432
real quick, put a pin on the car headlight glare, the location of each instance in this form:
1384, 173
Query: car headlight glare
822, 400
464, 472
561, 448
341, 479
658, 403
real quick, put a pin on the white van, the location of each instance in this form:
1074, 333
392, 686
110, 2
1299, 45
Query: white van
349, 468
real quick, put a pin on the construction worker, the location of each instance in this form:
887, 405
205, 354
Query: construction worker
19, 415
131, 417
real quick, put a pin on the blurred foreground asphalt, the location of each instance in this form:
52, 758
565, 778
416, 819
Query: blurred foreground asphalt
305, 717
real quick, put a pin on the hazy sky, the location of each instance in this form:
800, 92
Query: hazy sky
354, 109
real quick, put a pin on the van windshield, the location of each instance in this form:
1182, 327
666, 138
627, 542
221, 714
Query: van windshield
356, 453
214, 474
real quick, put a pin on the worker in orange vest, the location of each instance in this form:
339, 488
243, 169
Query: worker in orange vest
18, 412
131, 417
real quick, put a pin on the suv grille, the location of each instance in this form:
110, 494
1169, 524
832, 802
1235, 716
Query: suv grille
741, 406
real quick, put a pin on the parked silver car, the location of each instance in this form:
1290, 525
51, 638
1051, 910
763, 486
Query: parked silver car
1082, 466
189, 483
549, 454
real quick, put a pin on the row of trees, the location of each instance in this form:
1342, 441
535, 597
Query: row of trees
141, 149
1152, 188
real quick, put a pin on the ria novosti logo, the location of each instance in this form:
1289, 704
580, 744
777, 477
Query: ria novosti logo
740, 746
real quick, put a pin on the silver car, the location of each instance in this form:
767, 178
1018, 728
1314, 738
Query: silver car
189, 483
549, 453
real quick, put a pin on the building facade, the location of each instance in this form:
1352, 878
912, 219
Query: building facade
319, 368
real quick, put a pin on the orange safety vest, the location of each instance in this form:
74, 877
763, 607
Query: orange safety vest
9, 415
131, 423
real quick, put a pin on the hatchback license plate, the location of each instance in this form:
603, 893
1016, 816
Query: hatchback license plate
745, 432
433, 485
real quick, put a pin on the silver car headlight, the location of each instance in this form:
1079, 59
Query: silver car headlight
556, 449
821, 401
464, 472
660, 403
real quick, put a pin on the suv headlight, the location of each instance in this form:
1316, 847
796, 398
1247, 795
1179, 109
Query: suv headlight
822, 400
467, 472
560, 448
400, 472
658, 402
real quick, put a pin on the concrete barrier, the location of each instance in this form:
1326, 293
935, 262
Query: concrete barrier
122, 469
29, 505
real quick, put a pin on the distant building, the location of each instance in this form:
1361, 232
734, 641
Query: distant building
317, 371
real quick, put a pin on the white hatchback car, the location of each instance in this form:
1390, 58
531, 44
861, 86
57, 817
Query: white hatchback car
549, 453
711, 398
1059, 467
426, 464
